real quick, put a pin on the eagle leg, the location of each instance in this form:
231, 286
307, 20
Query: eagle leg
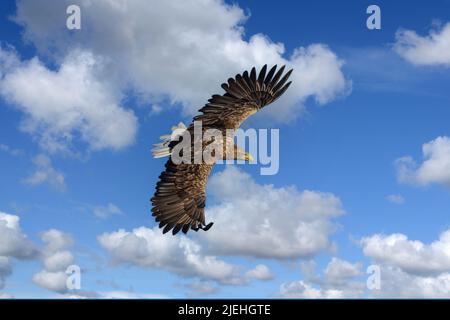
204, 228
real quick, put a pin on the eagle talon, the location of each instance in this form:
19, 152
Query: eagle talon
208, 226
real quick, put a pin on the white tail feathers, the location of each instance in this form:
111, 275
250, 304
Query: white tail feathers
162, 149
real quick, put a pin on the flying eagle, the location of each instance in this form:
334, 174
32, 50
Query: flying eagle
179, 200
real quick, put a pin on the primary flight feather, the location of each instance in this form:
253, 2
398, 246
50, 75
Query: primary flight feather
179, 200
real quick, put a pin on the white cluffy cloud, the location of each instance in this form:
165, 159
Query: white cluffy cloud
338, 281
343, 279
180, 50
268, 222
55, 259
260, 272
45, 173
302, 289
13, 245
150, 248
397, 283
412, 256
435, 167
66, 104
410, 268
433, 49
339, 271
13, 242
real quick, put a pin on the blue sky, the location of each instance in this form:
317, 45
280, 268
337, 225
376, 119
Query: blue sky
373, 98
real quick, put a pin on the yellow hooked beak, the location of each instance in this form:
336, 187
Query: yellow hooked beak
248, 157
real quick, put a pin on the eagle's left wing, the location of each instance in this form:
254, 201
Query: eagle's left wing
179, 200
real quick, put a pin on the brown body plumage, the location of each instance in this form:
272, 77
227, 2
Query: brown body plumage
179, 200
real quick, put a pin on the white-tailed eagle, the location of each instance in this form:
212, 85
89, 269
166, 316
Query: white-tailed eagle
179, 200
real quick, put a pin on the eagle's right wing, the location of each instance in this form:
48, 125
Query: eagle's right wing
245, 95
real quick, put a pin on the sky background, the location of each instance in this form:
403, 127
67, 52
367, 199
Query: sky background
364, 149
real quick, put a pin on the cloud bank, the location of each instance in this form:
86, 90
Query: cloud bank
67, 104
149, 248
268, 222
179, 51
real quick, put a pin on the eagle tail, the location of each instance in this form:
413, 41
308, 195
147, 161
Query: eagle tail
163, 149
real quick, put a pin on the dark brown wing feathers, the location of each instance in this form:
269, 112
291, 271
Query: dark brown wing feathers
179, 200
245, 95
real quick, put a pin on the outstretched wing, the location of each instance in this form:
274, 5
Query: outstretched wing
179, 200
245, 95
